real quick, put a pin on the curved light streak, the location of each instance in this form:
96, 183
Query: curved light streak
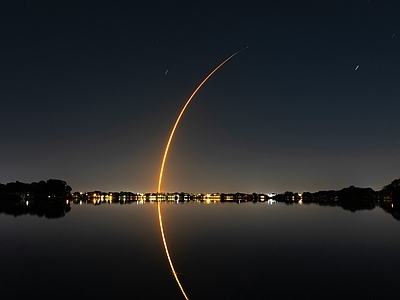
167, 252
181, 113
162, 170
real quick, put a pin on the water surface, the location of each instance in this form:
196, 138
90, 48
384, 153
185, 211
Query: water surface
221, 251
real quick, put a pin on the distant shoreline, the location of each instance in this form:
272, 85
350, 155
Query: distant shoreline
52, 198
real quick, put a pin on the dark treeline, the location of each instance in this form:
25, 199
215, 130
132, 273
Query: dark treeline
49, 198
52, 188
52, 198
351, 198
349, 195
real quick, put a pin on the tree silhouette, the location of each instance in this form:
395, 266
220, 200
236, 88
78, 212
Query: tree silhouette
393, 189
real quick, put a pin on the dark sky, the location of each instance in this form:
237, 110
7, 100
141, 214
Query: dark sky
89, 91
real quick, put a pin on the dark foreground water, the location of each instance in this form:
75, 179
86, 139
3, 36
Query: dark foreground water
222, 251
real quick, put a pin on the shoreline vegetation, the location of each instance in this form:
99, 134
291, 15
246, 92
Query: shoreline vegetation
53, 198
50, 198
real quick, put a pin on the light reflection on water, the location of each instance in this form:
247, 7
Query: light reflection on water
222, 251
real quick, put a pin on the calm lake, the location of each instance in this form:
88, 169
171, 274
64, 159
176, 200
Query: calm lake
221, 251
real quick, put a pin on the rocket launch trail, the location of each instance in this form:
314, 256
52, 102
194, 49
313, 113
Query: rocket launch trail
163, 165
181, 113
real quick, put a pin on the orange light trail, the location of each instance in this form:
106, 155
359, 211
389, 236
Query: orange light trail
181, 113
167, 252
163, 164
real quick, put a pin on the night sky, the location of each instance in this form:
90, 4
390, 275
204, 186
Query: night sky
89, 91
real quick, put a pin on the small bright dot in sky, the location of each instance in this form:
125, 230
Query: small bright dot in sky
393, 35
166, 72
357, 67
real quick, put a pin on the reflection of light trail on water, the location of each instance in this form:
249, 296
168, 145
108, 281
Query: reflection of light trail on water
163, 164
167, 252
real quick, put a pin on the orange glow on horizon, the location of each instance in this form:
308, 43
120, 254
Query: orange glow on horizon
162, 170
